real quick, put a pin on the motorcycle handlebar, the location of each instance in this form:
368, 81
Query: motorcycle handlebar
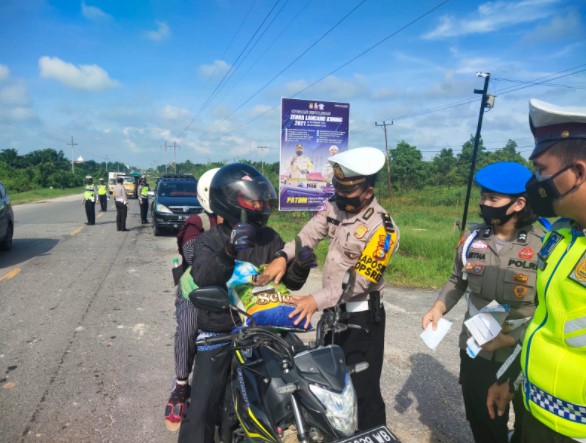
214, 340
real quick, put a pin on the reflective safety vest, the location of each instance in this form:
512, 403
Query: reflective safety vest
554, 350
144, 192
90, 192
102, 189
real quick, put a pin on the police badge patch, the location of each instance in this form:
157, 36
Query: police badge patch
578, 274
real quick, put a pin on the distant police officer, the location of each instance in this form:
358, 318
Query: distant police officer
143, 199
362, 236
299, 166
103, 195
496, 260
327, 170
89, 200
553, 357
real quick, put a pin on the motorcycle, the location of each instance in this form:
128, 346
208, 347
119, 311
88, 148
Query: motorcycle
283, 390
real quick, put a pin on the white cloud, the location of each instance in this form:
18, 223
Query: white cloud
162, 33
174, 113
217, 68
4, 72
14, 94
88, 77
94, 13
558, 28
492, 16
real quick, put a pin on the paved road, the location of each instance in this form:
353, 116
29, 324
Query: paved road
86, 335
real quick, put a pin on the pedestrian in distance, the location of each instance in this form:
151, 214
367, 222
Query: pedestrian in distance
552, 359
362, 236
121, 202
103, 195
236, 189
185, 311
495, 261
143, 199
89, 200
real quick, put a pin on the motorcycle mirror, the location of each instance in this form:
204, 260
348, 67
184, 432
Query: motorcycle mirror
358, 367
210, 298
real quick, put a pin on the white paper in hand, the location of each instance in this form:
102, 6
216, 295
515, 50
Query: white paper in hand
433, 338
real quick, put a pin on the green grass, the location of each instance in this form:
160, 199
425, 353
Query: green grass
41, 194
426, 220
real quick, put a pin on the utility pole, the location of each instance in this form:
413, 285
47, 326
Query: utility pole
384, 125
262, 151
72, 144
174, 147
486, 102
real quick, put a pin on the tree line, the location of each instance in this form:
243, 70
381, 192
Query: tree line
49, 168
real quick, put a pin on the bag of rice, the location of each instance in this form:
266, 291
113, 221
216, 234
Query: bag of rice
269, 304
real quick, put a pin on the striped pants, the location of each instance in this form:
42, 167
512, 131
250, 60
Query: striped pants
185, 334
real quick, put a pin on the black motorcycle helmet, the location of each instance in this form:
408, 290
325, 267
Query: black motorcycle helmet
238, 188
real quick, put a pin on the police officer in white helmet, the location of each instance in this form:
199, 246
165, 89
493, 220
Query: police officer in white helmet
362, 236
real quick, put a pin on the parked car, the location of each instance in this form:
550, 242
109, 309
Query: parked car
175, 199
6, 220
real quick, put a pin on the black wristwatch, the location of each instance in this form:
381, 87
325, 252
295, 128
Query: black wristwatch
281, 253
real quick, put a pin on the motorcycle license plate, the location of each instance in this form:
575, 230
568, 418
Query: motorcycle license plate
376, 435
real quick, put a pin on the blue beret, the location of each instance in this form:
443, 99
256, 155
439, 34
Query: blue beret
504, 177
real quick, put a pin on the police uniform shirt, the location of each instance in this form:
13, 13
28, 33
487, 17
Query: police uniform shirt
348, 235
506, 275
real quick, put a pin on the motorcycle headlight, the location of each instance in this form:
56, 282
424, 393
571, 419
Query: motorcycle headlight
164, 209
341, 409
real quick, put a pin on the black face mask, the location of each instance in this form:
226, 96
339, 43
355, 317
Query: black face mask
541, 194
348, 204
496, 216
298, 152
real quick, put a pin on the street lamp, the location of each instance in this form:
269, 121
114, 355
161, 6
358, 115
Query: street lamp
487, 102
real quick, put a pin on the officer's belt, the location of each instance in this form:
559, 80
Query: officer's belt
507, 326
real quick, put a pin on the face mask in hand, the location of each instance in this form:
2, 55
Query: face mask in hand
542, 193
496, 216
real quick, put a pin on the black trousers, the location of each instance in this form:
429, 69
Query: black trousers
144, 209
476, 376
366, 345
90, 212
535, 431
210, 375
103, 202
121, 212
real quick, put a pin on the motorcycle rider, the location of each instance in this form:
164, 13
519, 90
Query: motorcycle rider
362, 236
239, 194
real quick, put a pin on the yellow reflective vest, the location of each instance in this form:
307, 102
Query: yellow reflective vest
554, 350
102, 189
90, 193
144, 192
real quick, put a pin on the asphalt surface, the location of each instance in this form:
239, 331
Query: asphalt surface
86, 336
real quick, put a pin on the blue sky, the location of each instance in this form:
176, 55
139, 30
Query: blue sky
125, 77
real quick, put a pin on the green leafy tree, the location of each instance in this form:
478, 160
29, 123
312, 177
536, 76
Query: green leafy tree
408, 171
443, 169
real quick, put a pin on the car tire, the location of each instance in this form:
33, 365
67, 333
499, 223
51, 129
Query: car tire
156, 231
6, 244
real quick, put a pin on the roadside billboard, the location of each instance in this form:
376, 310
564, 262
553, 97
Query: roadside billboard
311, 131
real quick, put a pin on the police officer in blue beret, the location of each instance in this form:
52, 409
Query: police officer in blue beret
495, 261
